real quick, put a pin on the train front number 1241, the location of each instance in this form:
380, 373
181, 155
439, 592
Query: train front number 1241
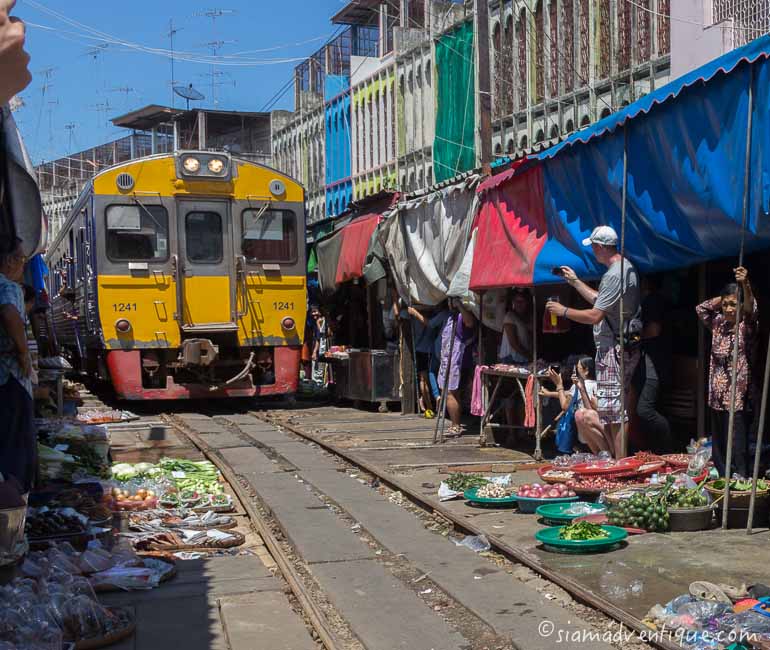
283, 306
124, 306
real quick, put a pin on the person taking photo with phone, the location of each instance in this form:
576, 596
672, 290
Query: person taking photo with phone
604, 316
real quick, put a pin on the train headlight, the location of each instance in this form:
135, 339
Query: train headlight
288, 324
216, 166
192, 165
123, 326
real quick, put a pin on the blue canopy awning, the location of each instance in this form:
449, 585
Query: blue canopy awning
686, 146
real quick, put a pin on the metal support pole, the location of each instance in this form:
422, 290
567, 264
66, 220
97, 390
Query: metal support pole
623, 451
739, 309
538, 408
438, 433
760, 437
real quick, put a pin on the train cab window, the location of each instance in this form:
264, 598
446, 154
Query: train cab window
137, 232
203, 233
269, 235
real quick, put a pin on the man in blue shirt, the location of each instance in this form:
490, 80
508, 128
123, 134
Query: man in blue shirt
18, 447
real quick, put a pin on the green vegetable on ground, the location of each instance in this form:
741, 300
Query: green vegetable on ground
581, 531
459, 482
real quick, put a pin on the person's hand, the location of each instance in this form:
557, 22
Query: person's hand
14, 74
741, 275
412, 311
553, 307
315, 356
25, 363
555, 377
568, 274
543, 392
575, 379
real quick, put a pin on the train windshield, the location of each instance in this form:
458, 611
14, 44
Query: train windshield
269, 235
137, 232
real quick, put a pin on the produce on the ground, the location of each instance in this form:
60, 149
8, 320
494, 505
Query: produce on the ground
683, 498
83, 503
558, 475
52, 523
581, 531
538, 491
494, 491
125, 499
740, 485
642, 511
595, 483
459, 482
127, 472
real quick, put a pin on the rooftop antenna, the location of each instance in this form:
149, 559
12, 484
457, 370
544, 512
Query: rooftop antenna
52, 103
125, 90
214, 74
215, 45
70, 127
96, 52
189, 93
103, 109
170, 34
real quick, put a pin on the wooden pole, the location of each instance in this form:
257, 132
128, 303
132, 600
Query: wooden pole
739, 309
760, 437
481, 12
538, 405
623, 451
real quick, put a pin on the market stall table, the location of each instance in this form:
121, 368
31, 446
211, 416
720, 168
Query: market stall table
492, 378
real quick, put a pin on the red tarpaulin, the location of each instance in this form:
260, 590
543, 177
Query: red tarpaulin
511, 230
355, 243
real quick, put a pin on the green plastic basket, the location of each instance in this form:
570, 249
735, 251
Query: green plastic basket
554, 514
470, 495
549, 537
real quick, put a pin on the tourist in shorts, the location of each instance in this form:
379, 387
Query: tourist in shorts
604, 316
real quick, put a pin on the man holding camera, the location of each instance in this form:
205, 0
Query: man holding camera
604, 316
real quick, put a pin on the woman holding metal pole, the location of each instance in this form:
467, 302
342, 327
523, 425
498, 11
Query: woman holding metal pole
719, 315
456, 356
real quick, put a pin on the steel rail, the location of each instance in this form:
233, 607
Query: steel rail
519, 555
312, 611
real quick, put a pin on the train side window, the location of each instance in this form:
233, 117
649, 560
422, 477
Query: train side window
203, 233
269, 235
137, 232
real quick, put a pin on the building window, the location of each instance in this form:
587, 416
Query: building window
416, 14
498, 150
664, 27
554, 132
540, 136
624, 35
568, 45
585, 121
605, 39
523, 142
539, 52
521, 40
553, 15
643, 40
497, 53
605, 113
506, 74
584, 26
510, 146
570, 126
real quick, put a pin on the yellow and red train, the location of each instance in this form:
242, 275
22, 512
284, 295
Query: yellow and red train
183, 276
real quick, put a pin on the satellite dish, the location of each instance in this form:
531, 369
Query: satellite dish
189, 93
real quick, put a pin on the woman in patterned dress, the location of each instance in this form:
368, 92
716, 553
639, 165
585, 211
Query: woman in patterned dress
719, 315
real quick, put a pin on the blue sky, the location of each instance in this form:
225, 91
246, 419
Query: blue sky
94, 80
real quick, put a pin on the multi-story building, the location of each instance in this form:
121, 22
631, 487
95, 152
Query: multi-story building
558, 65
702, 30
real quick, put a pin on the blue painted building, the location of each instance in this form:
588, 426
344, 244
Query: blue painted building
339, 186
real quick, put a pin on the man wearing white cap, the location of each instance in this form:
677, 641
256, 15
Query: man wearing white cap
605, 318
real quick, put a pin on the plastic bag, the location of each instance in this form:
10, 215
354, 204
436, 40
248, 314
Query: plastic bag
445, 493
127, 578
699, 461
702, 612
477, 543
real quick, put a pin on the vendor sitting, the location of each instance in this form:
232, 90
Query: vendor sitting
580, 419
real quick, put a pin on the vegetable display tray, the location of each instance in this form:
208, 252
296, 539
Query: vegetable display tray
549, 537
529, 506
555, 514
471, 495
